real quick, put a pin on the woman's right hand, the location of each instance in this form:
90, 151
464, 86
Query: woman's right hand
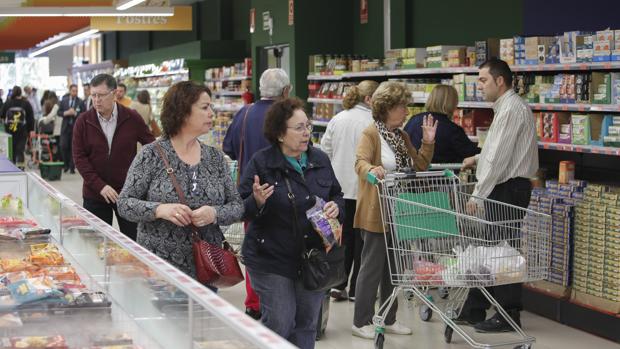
261, 192
378, 172
178, 214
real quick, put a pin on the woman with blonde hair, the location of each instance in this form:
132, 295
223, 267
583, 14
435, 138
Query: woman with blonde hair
451, 143
339, 142
383, 148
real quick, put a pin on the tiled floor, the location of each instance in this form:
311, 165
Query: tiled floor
549, 334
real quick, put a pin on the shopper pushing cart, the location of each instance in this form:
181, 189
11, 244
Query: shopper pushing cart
433, 241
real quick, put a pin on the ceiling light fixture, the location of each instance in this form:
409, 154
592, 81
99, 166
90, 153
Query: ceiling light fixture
71, 39
84, 11
127, 4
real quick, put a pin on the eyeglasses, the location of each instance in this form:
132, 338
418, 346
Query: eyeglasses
302, 128
100, 95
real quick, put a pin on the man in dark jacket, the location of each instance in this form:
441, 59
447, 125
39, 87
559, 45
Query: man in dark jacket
245, 137
248, 122
70, 108
104, 145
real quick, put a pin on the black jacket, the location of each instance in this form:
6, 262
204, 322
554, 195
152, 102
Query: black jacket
451, 143
270, 244
68, 121
19, 102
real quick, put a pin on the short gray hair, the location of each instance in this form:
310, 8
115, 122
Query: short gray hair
272, 82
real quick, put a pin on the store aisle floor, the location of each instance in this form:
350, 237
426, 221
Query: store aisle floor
549, 334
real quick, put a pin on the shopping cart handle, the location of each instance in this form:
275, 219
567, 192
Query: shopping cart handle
372, 179
446, 166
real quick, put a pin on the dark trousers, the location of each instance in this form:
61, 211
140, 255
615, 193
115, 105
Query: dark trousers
353, 243
66, 149
19, 147
515, 191
104, 212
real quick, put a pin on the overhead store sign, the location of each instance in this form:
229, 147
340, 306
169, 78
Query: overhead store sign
7, 57
182, 20
363, 11
291, 12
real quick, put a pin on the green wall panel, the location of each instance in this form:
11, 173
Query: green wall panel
368, 38
282, 34
456, 22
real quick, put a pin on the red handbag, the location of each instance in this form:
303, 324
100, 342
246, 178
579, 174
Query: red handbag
215, 266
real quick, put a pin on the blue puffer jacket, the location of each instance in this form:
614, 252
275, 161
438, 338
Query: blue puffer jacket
270, 244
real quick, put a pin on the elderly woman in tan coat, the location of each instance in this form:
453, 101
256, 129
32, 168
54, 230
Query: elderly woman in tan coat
383, 147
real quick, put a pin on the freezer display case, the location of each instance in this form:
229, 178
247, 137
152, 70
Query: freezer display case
69, 280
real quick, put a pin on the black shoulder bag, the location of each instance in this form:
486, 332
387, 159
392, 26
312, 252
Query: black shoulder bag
320, 270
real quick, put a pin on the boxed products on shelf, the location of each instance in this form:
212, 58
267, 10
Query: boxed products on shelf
238, 70
472, 119
507, 50
325, 111
486, 49
597, 248
585, 47
437, 55
552, 53
603, 45
555, 126
519, 50
535, 49
405, 58
568, 47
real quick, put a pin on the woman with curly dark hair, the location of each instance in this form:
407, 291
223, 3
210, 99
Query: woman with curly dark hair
149, 196
278, 185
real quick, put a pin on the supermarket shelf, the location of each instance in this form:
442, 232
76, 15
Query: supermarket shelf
161, 74
324, 77
588, 149
230, 108
325, 100
471, 70
322, 123
228, 93
232, 78
542, 106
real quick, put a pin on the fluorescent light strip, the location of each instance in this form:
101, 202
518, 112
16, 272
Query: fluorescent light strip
67, 41
129, 4
84, 11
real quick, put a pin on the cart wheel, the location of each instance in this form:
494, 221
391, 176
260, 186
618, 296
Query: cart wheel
426, 313
409, 295
524, 346
447, 334
444, 292
379, 340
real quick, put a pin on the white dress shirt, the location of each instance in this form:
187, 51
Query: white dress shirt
340, 143
510, 149
109, 126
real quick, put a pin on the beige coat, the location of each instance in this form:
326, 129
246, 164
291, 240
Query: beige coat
144, 110
367, 213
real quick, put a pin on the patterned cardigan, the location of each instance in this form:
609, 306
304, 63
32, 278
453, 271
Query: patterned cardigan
206, 183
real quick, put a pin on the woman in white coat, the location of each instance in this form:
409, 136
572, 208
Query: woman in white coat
50, 116
340, 142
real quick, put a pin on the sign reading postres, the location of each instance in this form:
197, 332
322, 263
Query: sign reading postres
182, 20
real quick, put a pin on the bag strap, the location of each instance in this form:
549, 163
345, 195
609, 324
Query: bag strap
291, 198
182, 199
175, 183
242, 142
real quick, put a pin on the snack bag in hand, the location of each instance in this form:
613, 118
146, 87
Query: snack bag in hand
329, 229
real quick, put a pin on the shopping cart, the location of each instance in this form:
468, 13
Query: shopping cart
235, 232
432, 241
40, 146
467, 181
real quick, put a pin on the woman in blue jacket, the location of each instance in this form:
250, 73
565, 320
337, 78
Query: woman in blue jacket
272, 248
451, 143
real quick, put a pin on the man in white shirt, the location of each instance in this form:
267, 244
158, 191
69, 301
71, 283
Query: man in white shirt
508, 160
339, 142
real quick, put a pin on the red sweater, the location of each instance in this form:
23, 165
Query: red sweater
96, 164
